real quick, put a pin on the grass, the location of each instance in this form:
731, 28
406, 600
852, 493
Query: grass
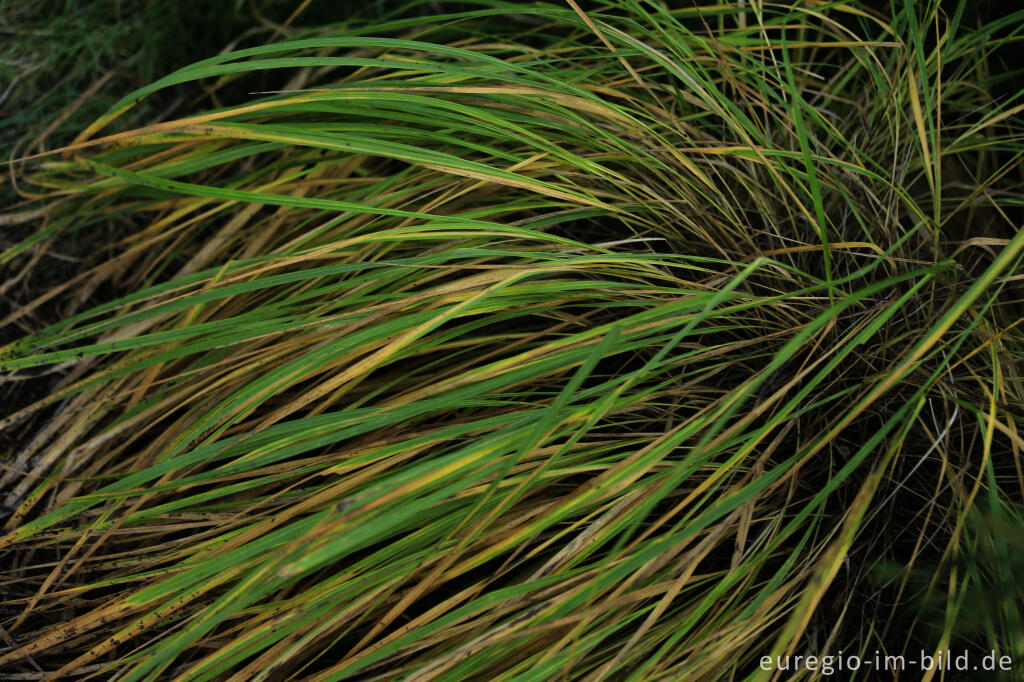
529, 342
63, 63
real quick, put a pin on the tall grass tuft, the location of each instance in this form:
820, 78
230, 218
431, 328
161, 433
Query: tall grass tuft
528, 342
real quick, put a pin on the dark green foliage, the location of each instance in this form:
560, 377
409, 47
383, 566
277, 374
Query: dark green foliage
526, 342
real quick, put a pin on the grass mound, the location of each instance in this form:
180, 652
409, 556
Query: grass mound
530, 343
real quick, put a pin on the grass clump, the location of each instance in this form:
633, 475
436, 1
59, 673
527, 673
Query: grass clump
529, 342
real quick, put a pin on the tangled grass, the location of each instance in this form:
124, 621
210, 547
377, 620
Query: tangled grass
529, 342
